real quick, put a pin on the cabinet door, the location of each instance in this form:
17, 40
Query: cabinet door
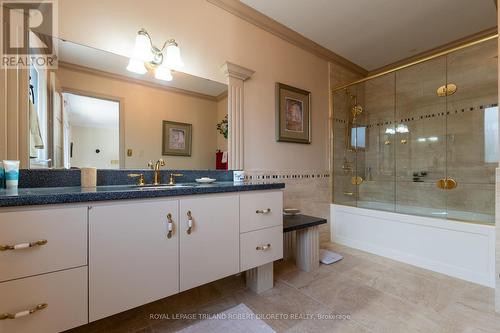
131, 259
211, 250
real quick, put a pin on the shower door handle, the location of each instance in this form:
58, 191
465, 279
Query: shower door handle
450, 183
447, 183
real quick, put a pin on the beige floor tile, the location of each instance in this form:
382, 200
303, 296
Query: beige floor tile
379, 295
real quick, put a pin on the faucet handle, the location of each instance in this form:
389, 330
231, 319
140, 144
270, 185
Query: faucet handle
141, 181
151, 165
161, 162
171, 180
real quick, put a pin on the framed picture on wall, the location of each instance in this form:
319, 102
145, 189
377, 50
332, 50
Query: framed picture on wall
177, 138
293, 114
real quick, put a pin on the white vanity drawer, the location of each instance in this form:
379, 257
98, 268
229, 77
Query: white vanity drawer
65, 294
260, 210
261, 247
64, 229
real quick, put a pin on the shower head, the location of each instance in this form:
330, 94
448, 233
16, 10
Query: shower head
356, 110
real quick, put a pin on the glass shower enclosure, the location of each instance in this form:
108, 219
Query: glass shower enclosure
422, 140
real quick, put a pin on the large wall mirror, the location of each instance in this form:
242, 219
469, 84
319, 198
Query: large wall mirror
91, 111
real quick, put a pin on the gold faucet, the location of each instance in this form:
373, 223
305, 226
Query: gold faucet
140, 177
172, 178
156, 170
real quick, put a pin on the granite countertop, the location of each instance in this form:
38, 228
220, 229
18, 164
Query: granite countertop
59, 195
299, 221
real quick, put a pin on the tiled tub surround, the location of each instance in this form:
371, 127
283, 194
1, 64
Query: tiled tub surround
309, 191
463, 160
446, 137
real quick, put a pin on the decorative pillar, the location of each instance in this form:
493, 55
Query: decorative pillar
261, 278
307, 251
289, 245
236, 76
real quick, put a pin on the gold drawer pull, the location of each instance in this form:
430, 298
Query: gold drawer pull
349, 193
24, 313
189, 222
170, 226
23, 245
263, 211
263, 247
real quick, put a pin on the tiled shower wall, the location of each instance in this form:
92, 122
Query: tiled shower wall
455, 124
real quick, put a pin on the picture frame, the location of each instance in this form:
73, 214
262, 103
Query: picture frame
293, 114
176, 138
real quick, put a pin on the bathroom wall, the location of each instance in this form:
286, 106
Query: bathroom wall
209, 36
144, 109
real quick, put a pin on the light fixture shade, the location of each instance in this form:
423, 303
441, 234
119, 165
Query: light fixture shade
136, 66
174, 59
142, 48
163, 73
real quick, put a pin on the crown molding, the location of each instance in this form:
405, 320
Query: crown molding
266, 23
237, 71
120, 77
467, 39
222, 96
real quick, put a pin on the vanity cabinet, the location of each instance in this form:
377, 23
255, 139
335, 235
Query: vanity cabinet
210, 250
98, 259
43, 269
132, 261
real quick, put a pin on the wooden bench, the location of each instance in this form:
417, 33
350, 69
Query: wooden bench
301, 240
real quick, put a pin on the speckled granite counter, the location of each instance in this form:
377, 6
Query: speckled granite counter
59, 195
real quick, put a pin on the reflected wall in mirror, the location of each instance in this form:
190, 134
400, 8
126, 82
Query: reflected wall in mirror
91, 111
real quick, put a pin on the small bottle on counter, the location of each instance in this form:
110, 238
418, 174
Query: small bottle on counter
2, 176
11, 174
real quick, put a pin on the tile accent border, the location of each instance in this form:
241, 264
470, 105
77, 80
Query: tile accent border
280, 175
423, 116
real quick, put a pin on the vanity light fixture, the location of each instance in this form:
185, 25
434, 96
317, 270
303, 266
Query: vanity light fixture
146, 55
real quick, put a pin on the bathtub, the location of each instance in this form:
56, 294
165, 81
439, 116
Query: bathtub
462, 250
